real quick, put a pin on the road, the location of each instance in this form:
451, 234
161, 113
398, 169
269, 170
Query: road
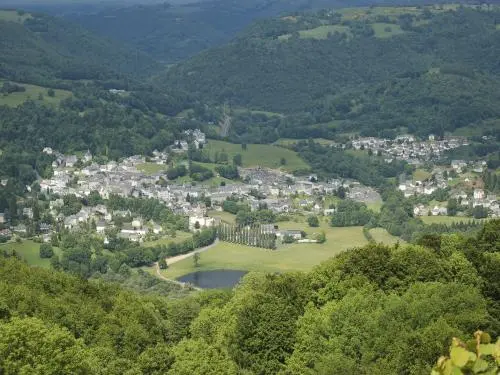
178, 258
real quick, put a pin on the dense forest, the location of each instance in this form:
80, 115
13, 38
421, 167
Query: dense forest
353, 76
49, 51
371, 310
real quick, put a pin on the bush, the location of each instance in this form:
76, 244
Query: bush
46, 251
313, 221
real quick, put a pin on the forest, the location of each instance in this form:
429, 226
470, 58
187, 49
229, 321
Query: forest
416, 80
370, 310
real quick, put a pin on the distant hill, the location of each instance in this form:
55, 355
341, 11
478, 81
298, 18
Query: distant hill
378, 70
172, 31
38, 48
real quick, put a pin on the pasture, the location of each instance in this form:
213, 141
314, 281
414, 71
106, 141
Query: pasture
255, 155
165, 240
30, 252
33, 92
386, 30
293, 257
151, 168
14, 16
322, 32
381, 235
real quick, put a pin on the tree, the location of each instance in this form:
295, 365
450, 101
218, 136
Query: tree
313, 221
51, 93
244, 146
196, 260
237, 159
452, 207
197, 225
282, 161
162, 263
46, 251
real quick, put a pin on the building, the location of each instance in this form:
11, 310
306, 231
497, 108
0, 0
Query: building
294, 233
2, 218
478, 194
203, 222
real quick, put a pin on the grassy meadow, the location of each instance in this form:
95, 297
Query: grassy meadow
13, 16
381, 235
30, 252
293, 257
151, 168
165, 240
386, 30
258, 155
33, 92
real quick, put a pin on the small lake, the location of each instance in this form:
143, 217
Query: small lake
213, 279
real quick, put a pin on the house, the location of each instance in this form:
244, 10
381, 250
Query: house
28, 212
45, 227
294, 233
47, 150
439, 211
478, 194
157, 229
2, 218
137, 222
70, 161
21, 228
201, 222
268, 228
100, 226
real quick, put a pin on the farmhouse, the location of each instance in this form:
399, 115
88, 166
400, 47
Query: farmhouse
294, 233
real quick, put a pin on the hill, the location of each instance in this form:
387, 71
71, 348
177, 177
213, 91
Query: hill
370, 310
38, 48
376, 70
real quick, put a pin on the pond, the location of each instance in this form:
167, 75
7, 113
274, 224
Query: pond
213, 279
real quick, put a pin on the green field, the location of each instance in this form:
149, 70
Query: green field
322, 32
32, 92
224, 216
381, 235
29, 251
381, 32
444, 219
13, 16
179, 237
258, 155
421, 175
294, 257
151, 168
290, 141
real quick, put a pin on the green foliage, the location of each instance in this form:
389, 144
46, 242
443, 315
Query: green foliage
363, 83
478, 356
350, 213
46, 251
313, 221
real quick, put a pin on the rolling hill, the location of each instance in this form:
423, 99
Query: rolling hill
38, 48
378, 70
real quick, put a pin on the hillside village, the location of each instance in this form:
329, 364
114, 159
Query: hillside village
278, 191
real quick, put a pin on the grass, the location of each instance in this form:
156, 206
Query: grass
224, 216
381, 235
290, 141
32, 92
256, 112
151, 168
13, 16
381, 32
421, 175
444, 219
29, 251
375, 206
258, 155
294, 257
179, 237
322, 32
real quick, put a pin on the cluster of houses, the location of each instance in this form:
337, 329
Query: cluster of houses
408, 148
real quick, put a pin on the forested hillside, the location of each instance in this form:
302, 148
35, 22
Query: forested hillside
46, 50
379, 70
372, 310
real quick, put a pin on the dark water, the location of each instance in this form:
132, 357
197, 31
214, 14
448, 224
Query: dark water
213, 279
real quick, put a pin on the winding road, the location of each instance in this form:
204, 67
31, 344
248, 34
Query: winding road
178, 258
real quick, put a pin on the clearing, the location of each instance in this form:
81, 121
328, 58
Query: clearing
30, 252
179, 237
151, 168
421, 175
386, 30
255, 155
14, 16
33, 92
294, 257
381, 235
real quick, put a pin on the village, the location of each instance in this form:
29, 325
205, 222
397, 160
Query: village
277, 191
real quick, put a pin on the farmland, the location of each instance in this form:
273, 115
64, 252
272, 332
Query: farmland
258, 155
36, 93
29, 251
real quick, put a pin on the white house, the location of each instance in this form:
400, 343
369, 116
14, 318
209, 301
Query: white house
2, 218
478, 194
203, 221
137, 222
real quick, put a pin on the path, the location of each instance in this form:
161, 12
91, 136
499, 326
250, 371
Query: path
178, 258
